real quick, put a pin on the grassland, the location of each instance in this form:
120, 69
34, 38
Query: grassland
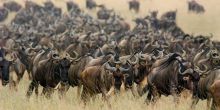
12, 100
193, 24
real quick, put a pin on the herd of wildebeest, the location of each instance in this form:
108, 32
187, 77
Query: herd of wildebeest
104, 55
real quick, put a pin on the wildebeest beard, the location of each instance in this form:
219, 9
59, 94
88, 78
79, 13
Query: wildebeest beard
61, 70
118, 81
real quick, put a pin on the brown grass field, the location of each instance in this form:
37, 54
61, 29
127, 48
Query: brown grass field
206, 23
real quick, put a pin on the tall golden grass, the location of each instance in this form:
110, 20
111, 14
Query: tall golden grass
12, 100
193, 24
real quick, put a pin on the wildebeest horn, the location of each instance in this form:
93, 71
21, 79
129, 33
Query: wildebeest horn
184, 53
58, 85
27, 51
135, 62
72, 59
124, 69
156, 44
142, 57
201, 72
189, 71
10, 58
197, 56
108, 67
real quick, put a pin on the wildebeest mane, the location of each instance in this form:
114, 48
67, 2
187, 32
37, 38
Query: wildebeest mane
168, 61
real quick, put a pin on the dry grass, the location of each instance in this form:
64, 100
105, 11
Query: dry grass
11, 100
190, 23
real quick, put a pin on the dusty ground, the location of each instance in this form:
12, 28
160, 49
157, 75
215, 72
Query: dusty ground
194, 24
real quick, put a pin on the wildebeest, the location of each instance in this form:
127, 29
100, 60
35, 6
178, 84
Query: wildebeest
5, 64
3, 14
208, 87
141, 50
90, 4
103, 13
193, 6
134, 5
170, 77
12, 6
49, 73
103, 79
71, 6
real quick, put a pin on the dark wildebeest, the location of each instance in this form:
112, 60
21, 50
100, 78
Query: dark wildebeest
12, 6
103, 13
193, 6
134, 5
170, 77
49, 73
90, 4
71, 5
3, 14
4, 67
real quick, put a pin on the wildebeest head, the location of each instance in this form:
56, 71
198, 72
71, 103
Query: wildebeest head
3, 14
119, 72
12, 6
64, 65
187, 77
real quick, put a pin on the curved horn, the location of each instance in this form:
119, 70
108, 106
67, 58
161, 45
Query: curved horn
201, 72
57, 86
186, 71
197, 56
135, 62
73, 59
108, 67
27, 51
125, 69
184, 53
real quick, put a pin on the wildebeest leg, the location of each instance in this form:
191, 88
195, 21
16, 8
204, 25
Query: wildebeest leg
174, 93
214, 106
155, 94
133, 91
36, 90
44, 91
30, 89
62, 90
79, 88
195, 100
142, 86
208, 103
85, 95
12, 82
104, 96
122, 88
49, 92
149, 96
